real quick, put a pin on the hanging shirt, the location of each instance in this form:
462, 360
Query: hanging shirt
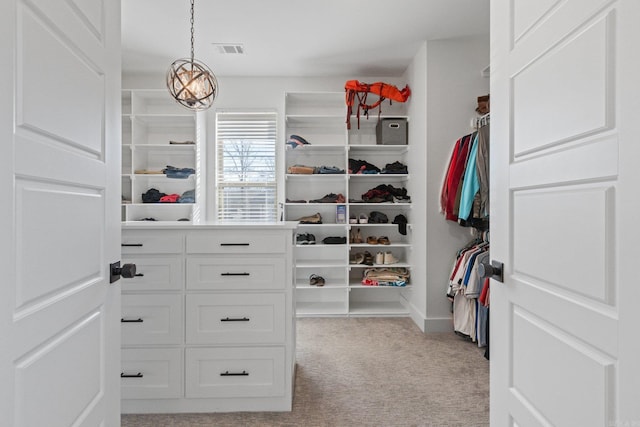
483, 169
454, 177
471, 184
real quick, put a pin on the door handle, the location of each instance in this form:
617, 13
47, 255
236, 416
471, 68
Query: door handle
495, 270
127, 271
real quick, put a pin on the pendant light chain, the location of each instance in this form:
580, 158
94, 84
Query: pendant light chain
190, 82
192, 38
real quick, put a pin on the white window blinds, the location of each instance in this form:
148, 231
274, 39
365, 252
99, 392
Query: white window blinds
246, 166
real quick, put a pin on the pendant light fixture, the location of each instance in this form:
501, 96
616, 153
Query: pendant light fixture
190, 82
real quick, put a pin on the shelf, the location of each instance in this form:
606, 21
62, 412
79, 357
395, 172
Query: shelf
380, 176
322, 308
327, 285
378, 308
165, 120
321, 176
321, 263
376, 225
310, 120
381, 205
368, 246
396, 265
172, 147
377, 148
314, 148
358, 285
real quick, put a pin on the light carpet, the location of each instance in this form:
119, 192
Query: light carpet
369, 372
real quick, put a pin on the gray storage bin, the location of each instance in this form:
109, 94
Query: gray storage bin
391, 131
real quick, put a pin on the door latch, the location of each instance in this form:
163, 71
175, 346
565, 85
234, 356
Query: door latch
127, 271
495, 270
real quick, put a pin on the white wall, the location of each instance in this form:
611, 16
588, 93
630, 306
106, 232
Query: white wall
446, 78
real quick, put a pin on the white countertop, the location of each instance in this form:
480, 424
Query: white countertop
187, 225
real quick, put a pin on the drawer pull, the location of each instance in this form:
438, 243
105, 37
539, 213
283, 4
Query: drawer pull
234, 244
138, 245
235, 274
235, 319
139, 275
138, 320
138, 375
234, 374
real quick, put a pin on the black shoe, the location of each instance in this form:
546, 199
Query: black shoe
334, 240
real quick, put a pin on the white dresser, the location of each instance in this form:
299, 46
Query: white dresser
208, 325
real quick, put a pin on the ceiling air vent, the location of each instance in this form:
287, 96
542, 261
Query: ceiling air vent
229, 48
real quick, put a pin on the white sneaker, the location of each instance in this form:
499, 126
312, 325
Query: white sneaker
380, 258
389, 258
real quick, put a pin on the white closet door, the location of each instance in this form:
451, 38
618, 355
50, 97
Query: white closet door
59, 167
564, 204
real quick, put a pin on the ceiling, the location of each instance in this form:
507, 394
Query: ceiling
294, 37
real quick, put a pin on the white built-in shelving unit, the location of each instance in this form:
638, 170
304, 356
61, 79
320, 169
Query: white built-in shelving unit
150, 120
320, 118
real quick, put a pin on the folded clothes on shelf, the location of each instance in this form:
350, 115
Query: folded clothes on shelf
361, 167
395, 168
180, 173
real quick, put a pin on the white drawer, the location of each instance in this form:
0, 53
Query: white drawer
231, 273
151, 319
235, 372
237, 242
157, 273
235, 318
152, 242
151, 373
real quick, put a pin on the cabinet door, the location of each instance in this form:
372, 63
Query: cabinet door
233, 273
151, 319
153, 242
245, 241
235, 318
235, 372
154, 273
151, 373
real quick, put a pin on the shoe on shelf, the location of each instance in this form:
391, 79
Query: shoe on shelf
363, 219
380, 258
383, 240
311, 239
315, 280
334, 240
389, 258
357, 238
353, 219
357, 258
368, 258
327, 198
296, 141
311, 219
372, 240
302, 239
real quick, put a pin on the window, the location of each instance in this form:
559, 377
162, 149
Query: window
246, 166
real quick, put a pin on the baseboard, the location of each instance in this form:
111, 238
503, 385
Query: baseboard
426, 325
443, 324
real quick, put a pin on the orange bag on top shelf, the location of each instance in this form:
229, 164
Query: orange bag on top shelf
354, 88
